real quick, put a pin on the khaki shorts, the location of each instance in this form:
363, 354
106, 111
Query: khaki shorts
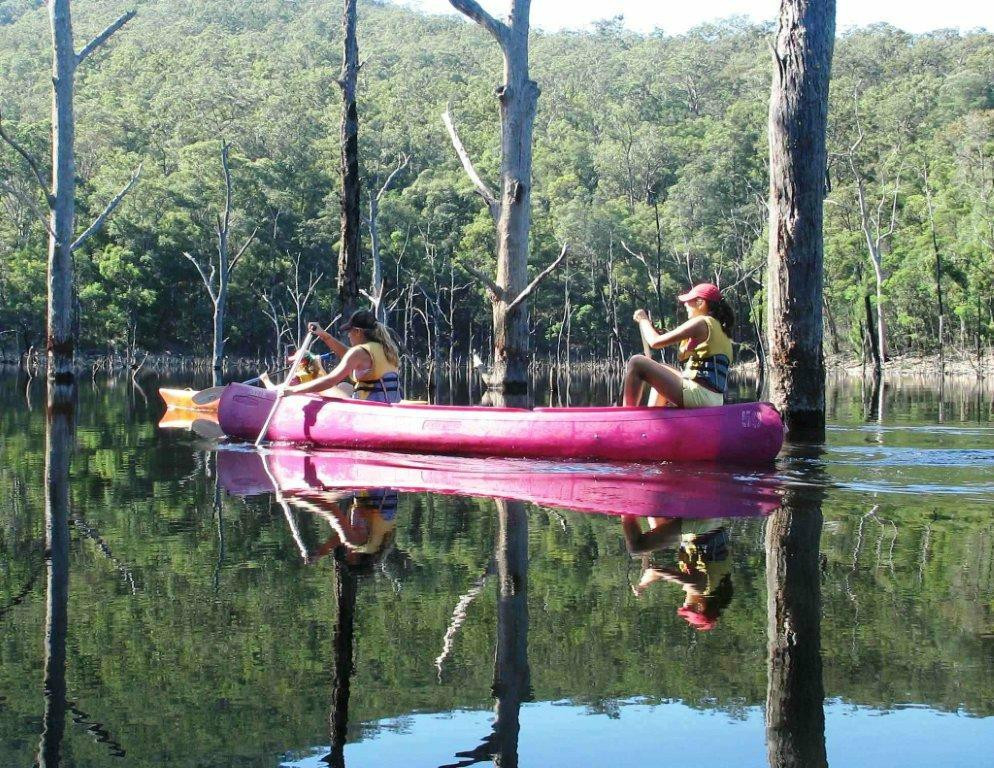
697, 396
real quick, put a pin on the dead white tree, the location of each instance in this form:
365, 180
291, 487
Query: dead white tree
217, 278
878, 223
60, 190
518, 96
375, 294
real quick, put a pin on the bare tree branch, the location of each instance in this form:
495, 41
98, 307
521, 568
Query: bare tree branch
241, 251
405, 159
474, 11
25, 200
203, 275
30, 160
467, 164
102, 38
227, 189
538, 279
495, 290
99, 221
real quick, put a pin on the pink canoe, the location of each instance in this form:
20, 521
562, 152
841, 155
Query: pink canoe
750, 433
625, 489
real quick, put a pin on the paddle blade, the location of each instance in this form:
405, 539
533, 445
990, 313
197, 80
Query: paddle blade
208, 396
207, 428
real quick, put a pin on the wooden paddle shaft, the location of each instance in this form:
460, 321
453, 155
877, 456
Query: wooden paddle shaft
279, 393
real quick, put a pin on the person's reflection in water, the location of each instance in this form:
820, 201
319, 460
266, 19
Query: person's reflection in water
703, 564
362, 533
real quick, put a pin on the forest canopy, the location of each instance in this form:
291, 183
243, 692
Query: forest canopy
650, 160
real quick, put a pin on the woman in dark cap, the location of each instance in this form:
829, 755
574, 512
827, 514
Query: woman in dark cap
370, 361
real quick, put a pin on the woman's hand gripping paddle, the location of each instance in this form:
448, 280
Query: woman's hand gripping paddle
279, 392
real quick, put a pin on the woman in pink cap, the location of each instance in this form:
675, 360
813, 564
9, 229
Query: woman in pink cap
705, 351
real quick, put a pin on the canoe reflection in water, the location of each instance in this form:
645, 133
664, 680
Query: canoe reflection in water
646, 490
703, 564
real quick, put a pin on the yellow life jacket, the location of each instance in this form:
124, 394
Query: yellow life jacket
707, 362
372, 379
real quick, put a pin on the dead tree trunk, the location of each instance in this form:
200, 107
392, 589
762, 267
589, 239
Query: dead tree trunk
218, 291
795, 716
938, 269
348, 246
376, 293
798, 115
60, 192
518, 96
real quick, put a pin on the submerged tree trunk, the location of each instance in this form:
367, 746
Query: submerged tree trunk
61, 340
795, 716
518, 97
798, 116
348, 247
225, 266
938, 271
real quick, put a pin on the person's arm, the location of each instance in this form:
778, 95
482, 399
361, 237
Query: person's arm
695, 328
355, 359
330, 341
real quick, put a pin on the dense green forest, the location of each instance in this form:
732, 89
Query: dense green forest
650, 159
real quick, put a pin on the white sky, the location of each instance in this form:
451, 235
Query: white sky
676, 16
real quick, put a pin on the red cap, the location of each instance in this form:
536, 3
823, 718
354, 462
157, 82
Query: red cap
696, 619
706, 291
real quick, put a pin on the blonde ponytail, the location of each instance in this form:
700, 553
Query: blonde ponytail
381, 334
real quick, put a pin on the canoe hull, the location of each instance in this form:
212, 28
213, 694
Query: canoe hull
618, 489
748, 433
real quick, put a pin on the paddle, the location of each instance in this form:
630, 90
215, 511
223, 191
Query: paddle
279, 392
647, 351
208, 396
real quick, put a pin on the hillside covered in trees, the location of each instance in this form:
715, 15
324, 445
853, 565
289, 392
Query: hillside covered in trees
650, 159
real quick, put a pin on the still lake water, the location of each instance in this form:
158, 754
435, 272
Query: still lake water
208, 622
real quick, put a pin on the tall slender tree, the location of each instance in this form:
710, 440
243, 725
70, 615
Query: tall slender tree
217, 280
348, 244
518, 97
802, 55
60, 191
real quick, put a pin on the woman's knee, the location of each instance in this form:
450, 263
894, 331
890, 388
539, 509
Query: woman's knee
636, 363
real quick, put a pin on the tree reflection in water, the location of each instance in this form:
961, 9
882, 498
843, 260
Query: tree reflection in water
795, 715
58, 450
512, 677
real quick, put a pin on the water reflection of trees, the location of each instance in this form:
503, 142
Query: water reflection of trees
511, 674
58, 449
795, 717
